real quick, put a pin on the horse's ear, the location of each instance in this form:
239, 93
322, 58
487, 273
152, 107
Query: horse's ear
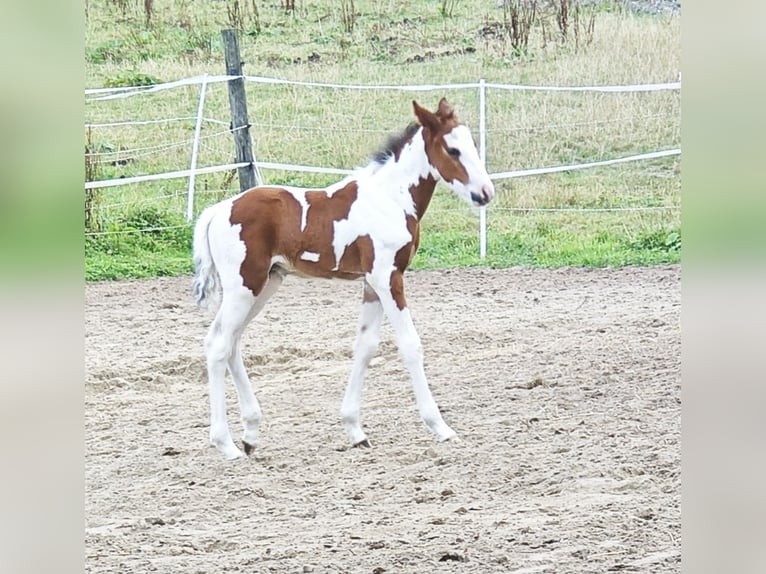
445, 110
427, 119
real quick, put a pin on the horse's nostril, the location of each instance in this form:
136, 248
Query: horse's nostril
479, 199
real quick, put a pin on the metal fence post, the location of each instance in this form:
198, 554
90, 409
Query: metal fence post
483, 156
195, 150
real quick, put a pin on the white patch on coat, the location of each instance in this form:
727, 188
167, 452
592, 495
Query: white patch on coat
228, 250
310, 256
382, 215
300, 196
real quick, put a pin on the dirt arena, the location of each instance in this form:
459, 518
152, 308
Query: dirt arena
563, 386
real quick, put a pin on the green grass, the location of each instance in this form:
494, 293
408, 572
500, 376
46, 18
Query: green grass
123, 252
341, 128
163, 256
509, 249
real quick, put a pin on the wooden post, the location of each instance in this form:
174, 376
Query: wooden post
238, 104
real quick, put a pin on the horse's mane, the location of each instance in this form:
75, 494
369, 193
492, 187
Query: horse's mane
394, 144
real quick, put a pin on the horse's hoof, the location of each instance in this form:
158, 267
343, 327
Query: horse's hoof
365, 443
248, 448
450, 436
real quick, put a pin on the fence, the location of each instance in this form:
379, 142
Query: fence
482, 87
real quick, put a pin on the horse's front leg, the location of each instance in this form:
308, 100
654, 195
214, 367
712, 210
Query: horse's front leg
390, 290
365, 345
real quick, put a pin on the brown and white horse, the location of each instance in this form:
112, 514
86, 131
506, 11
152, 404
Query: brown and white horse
366, 226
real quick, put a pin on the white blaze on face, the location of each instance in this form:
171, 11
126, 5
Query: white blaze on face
461, 139
479, 182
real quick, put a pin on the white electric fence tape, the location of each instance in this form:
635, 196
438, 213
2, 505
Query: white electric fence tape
98, 94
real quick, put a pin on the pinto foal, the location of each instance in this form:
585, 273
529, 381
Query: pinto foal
366, 226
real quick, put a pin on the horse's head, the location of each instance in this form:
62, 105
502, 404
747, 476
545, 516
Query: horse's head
453, 155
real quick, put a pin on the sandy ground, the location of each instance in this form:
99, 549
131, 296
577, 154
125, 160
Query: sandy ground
563, 385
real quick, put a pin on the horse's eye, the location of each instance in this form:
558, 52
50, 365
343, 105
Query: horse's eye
453, 151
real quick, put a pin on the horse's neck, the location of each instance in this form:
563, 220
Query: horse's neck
411, 171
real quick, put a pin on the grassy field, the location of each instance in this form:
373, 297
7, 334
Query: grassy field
552, 220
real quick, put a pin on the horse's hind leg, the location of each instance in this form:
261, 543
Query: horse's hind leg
220, 343
249, 408
365, 345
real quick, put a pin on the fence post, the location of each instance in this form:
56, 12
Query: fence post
240, 125
483, 157
195, 150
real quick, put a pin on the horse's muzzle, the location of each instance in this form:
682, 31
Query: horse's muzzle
486, 195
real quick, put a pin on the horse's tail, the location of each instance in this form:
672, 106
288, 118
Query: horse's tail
207, 283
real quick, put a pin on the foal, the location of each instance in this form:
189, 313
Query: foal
366, 226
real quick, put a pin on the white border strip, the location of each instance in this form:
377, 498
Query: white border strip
559, 168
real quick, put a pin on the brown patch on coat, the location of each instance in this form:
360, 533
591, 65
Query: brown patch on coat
323, 212
435, 127
358, 257
449, 168
271, 218
402, 260
422, 194
406, 253
397, 289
